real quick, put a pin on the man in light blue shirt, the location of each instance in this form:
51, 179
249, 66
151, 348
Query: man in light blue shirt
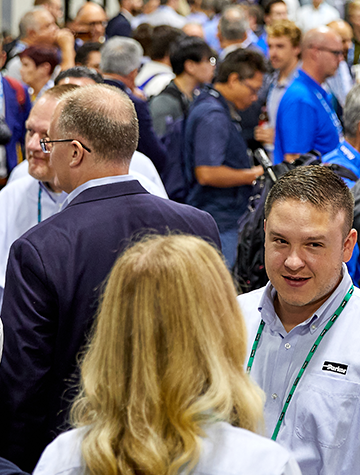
302, 326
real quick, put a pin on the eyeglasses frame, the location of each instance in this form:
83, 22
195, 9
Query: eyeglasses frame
44, 141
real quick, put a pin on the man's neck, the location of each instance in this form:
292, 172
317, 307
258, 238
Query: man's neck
50, 186
356, 31
354, 142
186, 84
292, 315
315, 75
285, 73
120, 78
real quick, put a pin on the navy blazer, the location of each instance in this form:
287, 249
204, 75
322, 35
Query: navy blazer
119, 26
54, 277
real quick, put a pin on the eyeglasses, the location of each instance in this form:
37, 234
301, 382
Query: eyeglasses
254, 92
335, 52
212, 61
93, 24
46, 146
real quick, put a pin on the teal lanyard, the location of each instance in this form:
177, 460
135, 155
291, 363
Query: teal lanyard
307, 359
39, 204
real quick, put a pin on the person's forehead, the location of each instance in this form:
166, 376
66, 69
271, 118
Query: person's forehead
43, 17
40, 115
278, 8
283, 39
83, 81
92, 13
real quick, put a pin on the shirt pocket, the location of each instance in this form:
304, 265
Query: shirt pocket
324, 409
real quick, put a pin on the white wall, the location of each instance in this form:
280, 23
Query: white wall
12, 10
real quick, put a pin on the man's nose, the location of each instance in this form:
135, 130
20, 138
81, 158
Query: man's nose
33, 142
294, 260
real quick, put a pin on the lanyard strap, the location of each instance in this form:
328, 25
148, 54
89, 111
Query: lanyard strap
332, 114
39, 204
307, 359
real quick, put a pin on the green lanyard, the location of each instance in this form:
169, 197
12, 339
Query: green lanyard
307, 359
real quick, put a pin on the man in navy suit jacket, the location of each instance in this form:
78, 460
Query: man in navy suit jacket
56, 270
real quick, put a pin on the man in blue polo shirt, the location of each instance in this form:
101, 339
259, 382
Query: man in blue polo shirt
305, 119
347, 153
218, 168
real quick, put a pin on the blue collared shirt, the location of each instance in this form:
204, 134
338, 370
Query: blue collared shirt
322, 422
348, 157
305, 120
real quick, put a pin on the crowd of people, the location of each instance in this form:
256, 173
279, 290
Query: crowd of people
127, 161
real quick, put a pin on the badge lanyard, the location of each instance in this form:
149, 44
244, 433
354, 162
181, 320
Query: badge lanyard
334, 118
39, 204
307, 359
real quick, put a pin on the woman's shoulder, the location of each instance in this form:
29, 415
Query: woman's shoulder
63, 455
230, 450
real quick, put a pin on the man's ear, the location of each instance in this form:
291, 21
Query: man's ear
77, 154
233, 78
349, 245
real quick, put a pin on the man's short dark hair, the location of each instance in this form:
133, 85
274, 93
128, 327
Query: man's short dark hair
188, 48
243, 62
317, 185
162, 38
84, 51
268, 5
79, 72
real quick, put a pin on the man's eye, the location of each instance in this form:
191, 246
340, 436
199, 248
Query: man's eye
315, 244
280, 241
29, 131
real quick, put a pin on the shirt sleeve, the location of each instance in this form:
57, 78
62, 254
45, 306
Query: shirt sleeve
29, 316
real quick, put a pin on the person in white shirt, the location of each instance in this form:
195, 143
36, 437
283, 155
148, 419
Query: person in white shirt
318, 14
163, 384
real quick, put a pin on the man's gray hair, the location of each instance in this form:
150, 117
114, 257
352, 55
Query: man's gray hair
29, 21
352, 112
121, 55
233, 23
105, 118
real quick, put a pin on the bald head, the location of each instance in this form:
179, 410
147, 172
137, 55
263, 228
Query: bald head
91, 19
319, 37
105, 118
321, 53
344, 30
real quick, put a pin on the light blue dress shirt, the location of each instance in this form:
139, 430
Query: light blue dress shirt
321, 425
97, 182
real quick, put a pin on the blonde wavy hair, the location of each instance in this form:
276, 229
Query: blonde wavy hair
166, 356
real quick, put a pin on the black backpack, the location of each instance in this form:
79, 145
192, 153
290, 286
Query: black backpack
249, 269
174, 174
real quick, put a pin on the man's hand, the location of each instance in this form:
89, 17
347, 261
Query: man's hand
66, 42
264, 134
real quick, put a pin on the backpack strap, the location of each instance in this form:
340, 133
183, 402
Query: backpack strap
175, 92
18, 88
342, 171
141, 87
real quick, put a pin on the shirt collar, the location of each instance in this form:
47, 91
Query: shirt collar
322, 315
97, 182
312, 83
55, 197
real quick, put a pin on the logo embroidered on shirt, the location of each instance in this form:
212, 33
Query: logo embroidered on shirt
335, 367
